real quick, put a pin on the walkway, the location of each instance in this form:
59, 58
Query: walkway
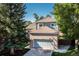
38, 52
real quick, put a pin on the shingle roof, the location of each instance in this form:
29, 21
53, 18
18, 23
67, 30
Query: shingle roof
33, 25
45, 30
41, 37
47, 19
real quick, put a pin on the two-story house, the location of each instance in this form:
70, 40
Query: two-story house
43, 34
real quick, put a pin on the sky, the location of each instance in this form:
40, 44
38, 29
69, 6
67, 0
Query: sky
42, 9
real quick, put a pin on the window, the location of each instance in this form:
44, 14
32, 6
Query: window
52, 24
40, 25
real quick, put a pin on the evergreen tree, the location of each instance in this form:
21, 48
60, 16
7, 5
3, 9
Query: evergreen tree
48, 16
37, 17
16, 25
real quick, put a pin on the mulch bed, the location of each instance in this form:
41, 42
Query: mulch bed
6, 52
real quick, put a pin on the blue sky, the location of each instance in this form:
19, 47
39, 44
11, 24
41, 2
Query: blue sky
42, 9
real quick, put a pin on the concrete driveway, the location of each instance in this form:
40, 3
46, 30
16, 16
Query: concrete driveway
62, 48
38, 52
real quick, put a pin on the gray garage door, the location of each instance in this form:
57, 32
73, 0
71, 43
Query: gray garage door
44, 44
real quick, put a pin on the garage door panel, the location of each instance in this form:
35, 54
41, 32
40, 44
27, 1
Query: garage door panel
45, 44
37, 45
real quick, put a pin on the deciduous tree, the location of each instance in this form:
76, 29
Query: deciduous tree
67, 16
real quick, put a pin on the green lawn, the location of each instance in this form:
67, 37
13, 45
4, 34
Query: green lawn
71, 52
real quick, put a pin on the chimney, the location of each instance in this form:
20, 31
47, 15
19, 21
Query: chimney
37, 26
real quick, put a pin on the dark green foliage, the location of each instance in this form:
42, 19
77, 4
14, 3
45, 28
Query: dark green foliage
41, 17
13, 26
70, 52
6, 52
37, 17
48, 16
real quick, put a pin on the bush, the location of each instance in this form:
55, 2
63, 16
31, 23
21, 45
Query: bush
72, 52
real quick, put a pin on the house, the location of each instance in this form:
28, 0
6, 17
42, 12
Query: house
44, 34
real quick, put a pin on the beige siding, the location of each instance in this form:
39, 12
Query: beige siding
46, 37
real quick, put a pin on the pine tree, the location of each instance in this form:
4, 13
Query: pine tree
16, 26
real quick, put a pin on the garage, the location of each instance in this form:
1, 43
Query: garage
44, 44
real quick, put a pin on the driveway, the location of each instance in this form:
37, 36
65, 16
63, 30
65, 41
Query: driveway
38, 52
63, 49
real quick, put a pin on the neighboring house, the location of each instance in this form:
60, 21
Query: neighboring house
44, 34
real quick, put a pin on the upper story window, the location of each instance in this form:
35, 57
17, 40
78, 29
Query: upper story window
52, 24
40, 25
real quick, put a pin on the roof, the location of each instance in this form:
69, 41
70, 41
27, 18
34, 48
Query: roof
41, 37
31, 26
45, 30
47, 19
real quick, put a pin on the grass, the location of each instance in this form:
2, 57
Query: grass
70, 52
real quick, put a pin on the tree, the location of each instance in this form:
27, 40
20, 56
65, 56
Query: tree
68, 19
37, 17
41, 17
48, 16
28, 22
15, 25
4, 24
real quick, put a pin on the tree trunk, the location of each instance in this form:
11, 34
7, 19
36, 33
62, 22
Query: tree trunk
12, 51
2, 47
76, 44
